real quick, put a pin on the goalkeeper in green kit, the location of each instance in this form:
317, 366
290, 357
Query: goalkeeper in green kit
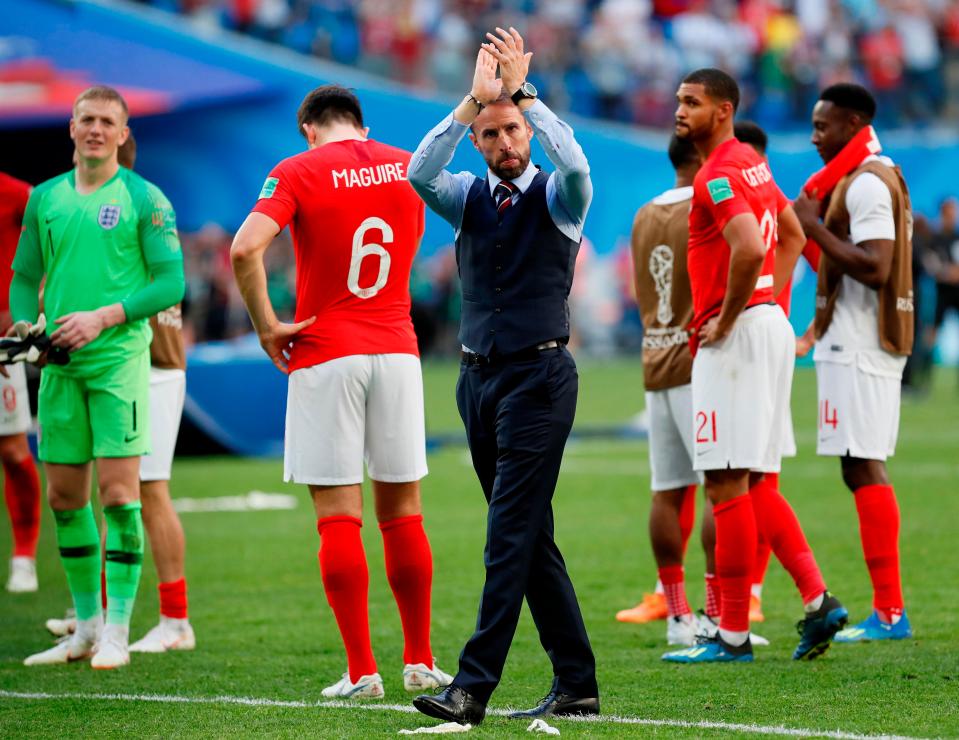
105, 241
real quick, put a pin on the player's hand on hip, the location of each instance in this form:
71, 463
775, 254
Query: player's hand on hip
486, 87
711, 332
76, 330
277, 340
506, 47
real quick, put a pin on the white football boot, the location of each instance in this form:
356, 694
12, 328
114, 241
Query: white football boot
78, 646
65, 626
113, 649
706, 627
169, 634
681, 630
420, 677
23, 575
366, 687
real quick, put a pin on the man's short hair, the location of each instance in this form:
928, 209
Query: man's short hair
682, 152
851, 97
102, 92
127, 153
751, 133
329, 104
718, 84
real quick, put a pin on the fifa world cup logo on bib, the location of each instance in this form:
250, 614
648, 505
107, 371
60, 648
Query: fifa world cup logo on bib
661, 268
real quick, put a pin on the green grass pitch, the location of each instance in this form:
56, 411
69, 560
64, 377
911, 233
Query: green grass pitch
265, 631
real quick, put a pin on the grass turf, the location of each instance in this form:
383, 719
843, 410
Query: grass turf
264, 629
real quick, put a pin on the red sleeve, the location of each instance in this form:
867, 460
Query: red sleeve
278, 197
811, 252
782, 202
723, 195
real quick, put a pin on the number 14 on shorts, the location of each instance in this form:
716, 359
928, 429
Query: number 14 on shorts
827, 415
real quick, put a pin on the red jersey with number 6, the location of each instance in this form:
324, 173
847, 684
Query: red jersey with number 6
733, 180
356, 226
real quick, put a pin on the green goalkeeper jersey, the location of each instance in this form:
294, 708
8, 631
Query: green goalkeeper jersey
95, 250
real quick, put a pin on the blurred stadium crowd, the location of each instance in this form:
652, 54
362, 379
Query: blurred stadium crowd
621, 59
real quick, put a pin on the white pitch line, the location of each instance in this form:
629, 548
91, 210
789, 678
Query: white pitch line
247, 701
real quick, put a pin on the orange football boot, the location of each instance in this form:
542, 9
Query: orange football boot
651, 608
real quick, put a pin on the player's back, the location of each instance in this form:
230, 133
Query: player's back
356, 228
733, 180
660, 234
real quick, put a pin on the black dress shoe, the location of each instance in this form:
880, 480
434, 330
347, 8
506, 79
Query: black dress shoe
452, 704
560, 705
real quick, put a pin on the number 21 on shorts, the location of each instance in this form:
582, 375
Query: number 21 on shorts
705, 427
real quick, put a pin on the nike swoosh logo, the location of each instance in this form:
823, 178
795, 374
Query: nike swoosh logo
131, 437
52, 218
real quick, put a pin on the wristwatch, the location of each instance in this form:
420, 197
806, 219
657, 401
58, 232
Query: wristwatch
526, 92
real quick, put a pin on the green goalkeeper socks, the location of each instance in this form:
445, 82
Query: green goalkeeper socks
124, 560
79, 544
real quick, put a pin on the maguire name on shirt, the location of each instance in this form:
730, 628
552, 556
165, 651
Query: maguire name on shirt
364, 177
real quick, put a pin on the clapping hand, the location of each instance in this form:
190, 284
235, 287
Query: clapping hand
486, 86
507, 50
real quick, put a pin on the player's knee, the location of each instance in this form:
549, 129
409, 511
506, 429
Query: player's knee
118, 492
857, 473
13, 449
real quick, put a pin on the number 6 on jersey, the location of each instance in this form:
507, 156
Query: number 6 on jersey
361, 251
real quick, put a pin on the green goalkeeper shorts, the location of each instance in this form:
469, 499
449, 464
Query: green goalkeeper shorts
101, 415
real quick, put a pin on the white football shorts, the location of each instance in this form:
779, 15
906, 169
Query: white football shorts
671, 438
351, 410
741, 390
858, 409
15, 409
167, 393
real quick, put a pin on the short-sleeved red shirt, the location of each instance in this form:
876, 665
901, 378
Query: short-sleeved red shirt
356, 225
733, 180
14, 195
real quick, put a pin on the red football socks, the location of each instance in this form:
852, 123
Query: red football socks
22, 493
763, 551
879, 530
346, 580
780, 527
409, 569
713, 596
674, 586
687, 515
735, 552
173, 599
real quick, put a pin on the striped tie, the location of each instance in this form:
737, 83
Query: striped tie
503, 195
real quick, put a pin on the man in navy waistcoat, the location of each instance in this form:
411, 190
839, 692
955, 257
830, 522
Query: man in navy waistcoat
517, 234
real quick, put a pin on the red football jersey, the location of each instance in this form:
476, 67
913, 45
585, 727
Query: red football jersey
14, 195
733, 180
356, 225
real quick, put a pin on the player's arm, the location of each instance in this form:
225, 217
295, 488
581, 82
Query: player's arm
160, 245
27, 267
790, 241
249, 245
747, 252
867, 255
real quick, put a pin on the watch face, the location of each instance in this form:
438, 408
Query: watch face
529, 91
